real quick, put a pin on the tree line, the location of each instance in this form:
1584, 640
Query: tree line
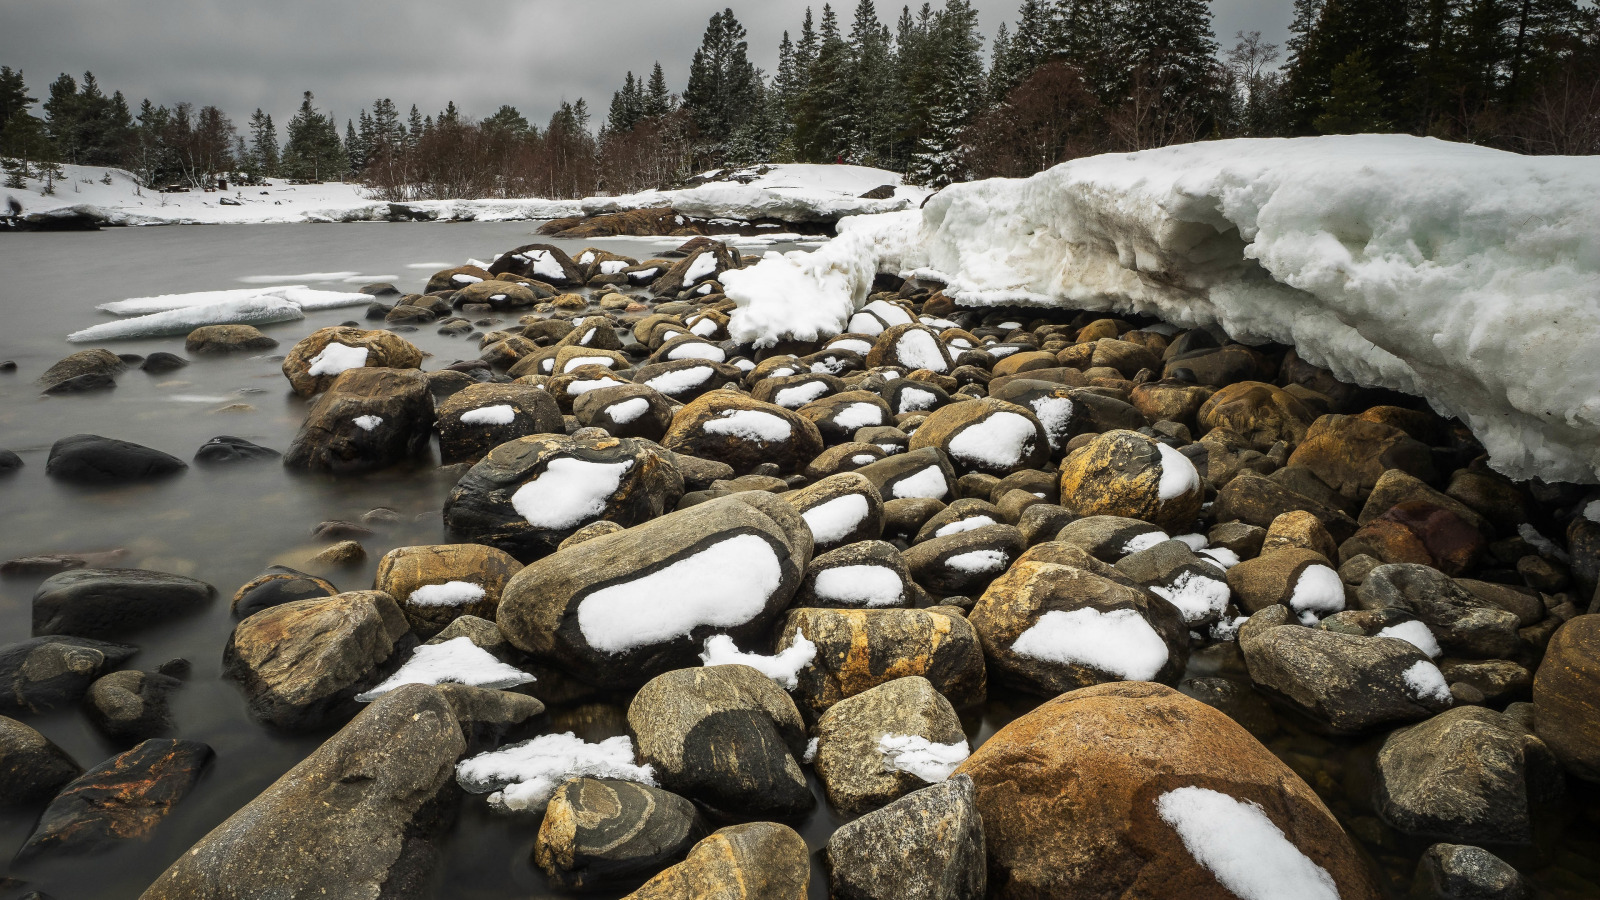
1068, 78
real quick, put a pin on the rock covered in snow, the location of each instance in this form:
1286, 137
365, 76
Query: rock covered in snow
481, 417
985, 435
1302, 580
839, 509
436, 583
316, 360
963, 563
869, 574
625, 410
1124, 473
744, 433
862, 738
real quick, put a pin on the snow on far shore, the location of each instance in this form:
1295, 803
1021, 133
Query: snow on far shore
790, 193
1449, 271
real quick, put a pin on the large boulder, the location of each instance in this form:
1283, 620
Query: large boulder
859, 649
436, 583
312, 364
108, 603
1464, 623
599, 831
730, 427
357, 817
481, 417
1350, 454
1566, 696
530, 494
985, 435
227, 339
758, 861
619, 609
1134, 790
1260, 413
302, 664
860, 738
724, 736
840, 509
92, 459
368, 418
32, 767
928, 845
1048, 628
50, 672
1125, 473
919, 474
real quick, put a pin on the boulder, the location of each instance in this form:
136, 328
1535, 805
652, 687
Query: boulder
1260, 413
1048, 628
619, 609
965, 562
32, 767
105, 603
311, 366
92, 459
928, 845
1257, 500
840, 509
625, 410
1422, 532
98, 364
1134, 790
1125, 473
860, 739
1566, 696
301, 664
434, 584
1350, 454
278, 585
530, 494
454, 279
1459, 872
356, 818
481, 417
744, 433
47, 673
724, 736
368, 418
839, 416
910, 346
131, 705
123, 798
1195, 585
859, 649
227, 339
758, 861
868, 574
1302, 580
1464, 623
1110, 538
985, 435
229, 449
919, 474
600, 831
546, 263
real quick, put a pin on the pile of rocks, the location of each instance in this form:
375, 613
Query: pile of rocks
1162, 530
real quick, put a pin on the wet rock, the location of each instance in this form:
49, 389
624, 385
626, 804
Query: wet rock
758, 861
356, 818
857, 773
1467, 774
685, 380
368, 418
1302, 580
840, 509
1566, 696
1345, 683
131, 705
622, 608
1260, 413
1048, 628
627, 410
301, 664
92, 459
9, 462
229, 449
96, 363
530, 494
1464, 624
1458, 872
599, 831
866, 574
83, 384
985, 435
311, 367
454, 279
744, 433
50, 672
1101, 792
1299, 530
1421, 532
104, 603
964, 562
724, 736
124, 798
227, 339
342, 555
1349, 454
928, 845
434, 584
481, 417
52, 563
32, 767
1124, 473
859, 649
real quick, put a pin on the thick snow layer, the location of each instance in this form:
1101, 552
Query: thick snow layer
1119, 642
1178, 474
1455, 272
860, 585
1222, 556
524, 776
928, 482
627, 410
975, 562
499, 414
858, 415
1055, 414
568, 492
249, 311
1196, 596
916, 400
750, 425
698, 350
783, 668
1000, 440
1427, 682
799, 395
336, 358
831, 520
1415, 633
921, 757
703, 265
451, 593
456, 661
1237, 843
1319, 591
585, 385
681, 380
724, 585
920, 350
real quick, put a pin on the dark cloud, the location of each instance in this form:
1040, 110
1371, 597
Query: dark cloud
241, 54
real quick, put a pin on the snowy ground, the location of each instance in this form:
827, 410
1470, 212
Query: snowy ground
1465, 275
792, 193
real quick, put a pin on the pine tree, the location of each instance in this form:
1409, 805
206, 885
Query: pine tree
263, 144
14, 99
724, 88
1355, 102
1172, 42
355, 149
1002, 66
63, 116
657, 98
805, 54
627, 106
822, 128
1379, 29
507, 121
870, 126
312, 150
952, 69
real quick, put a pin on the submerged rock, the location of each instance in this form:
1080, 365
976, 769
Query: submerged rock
50, 672
131, 705
102, 603
92, 459
278, 585
229, 449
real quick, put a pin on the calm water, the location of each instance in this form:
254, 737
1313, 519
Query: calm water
224, 525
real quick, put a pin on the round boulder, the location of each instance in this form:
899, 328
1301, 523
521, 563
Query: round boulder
481, 417
435, 584
313, 363
746, 434
1124, 473
985, 435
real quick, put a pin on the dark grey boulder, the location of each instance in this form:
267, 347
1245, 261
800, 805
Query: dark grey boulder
103, 603
32, 767
92, 459
928, 845
1460, 872
131, 705
229, 449
50, 672
162, 361
600, 831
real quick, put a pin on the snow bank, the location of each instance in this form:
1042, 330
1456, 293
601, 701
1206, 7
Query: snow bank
524, 776
1458, 273
249, 311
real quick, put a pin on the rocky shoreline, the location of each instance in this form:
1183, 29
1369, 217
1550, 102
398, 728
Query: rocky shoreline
1256, 632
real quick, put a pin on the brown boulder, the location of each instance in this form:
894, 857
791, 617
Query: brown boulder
1351, 454
1261, 413
310, 369
437, 583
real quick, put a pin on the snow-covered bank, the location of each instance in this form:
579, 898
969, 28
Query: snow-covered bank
789, 193
1465, 275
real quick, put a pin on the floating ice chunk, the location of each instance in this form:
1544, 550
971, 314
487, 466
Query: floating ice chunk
309, 299
724, 586
367, 423
1178, 474
960, 525
920, 350
1001, 440
336, 358
456, 661
974, 562
1245, 850
927, 482
568, 492
524, 776
248, 311
1119, 642
679, 381
800, 394
750, 425
309, 276
451, 593
1196, 596
627, 410
784, 668
142, 306
1319, 591
860, 586
832, 520
921, 757
1416, 633
1427, 682
499, 414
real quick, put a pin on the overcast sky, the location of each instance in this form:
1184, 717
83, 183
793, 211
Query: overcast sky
243, 54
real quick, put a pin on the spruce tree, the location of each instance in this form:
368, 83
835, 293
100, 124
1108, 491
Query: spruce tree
355, 149
657, 98
1355, 102
822, 128
724, 89
952, 70
63, 117
415, 125
1379, 29
14, 99
627, 107
312, 150
870, 127
263, 144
